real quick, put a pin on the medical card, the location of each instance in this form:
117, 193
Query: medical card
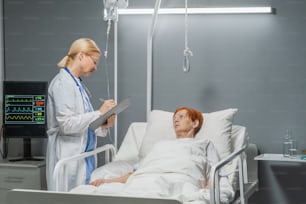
114, 111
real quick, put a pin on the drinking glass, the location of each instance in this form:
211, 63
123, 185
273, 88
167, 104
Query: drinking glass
293, 148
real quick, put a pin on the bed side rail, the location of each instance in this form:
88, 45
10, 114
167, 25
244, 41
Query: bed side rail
61, 163
214, 174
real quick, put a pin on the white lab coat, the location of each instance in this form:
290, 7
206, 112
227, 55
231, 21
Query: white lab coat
68, 121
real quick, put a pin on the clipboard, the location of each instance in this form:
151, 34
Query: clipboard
114, 111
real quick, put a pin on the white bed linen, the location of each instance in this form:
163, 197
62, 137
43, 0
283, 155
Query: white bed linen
172, 169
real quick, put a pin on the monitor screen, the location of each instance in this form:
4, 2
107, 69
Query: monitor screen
24, 108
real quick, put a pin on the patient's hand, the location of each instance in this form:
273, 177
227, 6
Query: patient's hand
98, 182
121, 179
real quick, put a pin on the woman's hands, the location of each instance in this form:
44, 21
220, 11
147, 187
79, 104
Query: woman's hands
110, 122
106, 106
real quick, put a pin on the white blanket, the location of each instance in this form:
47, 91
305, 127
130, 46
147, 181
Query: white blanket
173, 169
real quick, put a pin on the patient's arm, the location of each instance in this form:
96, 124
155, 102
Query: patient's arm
121, 179
206, 185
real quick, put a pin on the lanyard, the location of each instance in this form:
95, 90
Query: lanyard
82, 91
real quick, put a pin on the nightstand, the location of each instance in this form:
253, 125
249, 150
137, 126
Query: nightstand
21, 174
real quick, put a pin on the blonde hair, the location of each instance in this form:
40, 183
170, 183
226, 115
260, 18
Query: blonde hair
85, 45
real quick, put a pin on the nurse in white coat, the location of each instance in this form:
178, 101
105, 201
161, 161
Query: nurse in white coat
70, 113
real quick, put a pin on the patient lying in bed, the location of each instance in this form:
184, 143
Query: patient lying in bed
176, 168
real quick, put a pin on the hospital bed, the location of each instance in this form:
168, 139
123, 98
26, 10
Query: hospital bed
240, 162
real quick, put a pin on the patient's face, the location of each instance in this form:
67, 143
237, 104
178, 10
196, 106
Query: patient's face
183, 125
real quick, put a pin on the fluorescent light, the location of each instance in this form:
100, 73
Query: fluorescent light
224, 10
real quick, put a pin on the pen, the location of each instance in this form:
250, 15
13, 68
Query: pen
101, 99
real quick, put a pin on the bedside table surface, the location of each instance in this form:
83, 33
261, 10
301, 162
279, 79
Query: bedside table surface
279, 157
23, 163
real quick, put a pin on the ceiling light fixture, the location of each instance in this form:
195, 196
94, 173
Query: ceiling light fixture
223, 10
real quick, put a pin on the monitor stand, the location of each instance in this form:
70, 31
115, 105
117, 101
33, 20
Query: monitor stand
27, 153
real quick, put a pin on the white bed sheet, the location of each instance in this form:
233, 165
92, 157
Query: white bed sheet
172, 169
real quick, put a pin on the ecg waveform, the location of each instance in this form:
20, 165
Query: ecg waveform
15, 117
19, 109
28, 109
20, 101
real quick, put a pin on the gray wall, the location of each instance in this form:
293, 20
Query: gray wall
39, 33
255, 63
1, 64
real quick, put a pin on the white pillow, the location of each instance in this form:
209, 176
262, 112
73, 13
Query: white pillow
217, 127
159, 128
